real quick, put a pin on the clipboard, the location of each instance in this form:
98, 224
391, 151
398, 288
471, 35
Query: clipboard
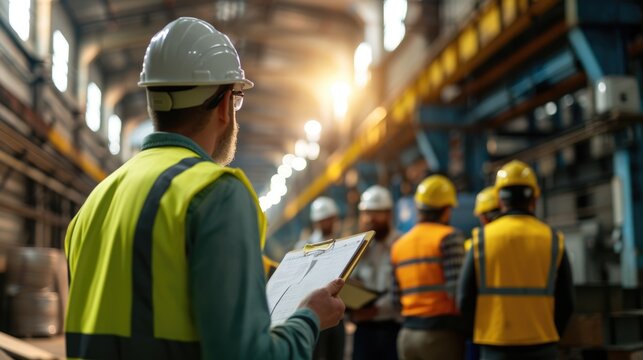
313, 267
356, 296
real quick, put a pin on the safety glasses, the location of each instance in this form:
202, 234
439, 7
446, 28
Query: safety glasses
237, 100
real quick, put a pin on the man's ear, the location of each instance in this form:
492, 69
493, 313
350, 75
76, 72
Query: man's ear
223, 113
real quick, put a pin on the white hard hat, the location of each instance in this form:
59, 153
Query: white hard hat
322, 208
376, 198
189, 52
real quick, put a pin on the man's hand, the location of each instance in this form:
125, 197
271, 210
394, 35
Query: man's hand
325, 303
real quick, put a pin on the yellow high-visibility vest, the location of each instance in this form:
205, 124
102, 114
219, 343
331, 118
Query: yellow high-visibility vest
126, 250
516, 259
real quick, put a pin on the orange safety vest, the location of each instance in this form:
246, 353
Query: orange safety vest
516, 259
416, 259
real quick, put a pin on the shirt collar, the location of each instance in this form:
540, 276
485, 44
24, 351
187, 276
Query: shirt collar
161, 139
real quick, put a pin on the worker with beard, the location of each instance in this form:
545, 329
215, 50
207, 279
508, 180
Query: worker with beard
165, 255
377, 326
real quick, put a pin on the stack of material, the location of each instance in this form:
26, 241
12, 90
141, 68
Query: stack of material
33, 291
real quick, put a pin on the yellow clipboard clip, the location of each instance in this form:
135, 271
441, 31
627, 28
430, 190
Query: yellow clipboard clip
320, 246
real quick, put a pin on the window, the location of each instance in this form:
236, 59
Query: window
114, 134
20, 17
92, 113
394, 29
60, 65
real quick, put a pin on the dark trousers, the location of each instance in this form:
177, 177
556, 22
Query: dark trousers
375, 340
330, 345
531, 352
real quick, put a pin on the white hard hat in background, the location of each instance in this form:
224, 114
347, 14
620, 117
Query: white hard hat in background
376, 197
322, 208
189, 52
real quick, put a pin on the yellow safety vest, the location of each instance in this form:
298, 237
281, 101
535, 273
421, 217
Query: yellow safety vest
416, 259
516, 259
269, 266
467, 244
126, 250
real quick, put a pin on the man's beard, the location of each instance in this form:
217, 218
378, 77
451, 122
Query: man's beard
226, 148
381, 230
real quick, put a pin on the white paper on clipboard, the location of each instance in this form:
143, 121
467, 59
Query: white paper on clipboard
303, 271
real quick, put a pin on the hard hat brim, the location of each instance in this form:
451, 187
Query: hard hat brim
245, 83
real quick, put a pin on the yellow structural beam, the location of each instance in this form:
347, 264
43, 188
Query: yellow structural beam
87, 164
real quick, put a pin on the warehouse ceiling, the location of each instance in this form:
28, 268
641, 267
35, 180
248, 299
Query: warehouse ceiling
290, 49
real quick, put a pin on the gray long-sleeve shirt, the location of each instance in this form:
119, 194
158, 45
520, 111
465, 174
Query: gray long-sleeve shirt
227, 285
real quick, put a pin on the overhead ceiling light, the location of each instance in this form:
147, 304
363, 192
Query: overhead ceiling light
273, 197
313, 130
299, 164
288, 159
284, 170
313, 151
301, 148
277, 180
264, 203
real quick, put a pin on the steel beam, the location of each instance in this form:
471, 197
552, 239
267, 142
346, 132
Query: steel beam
622, 171
598, 33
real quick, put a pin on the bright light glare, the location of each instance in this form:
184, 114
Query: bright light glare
301, 148
281, 190
602, 87
92, 112
284, 170
277, 180
313, 130
340, 92
288, 159
273, 197
264, 203
551, 108
60, 61
20, 17
313, 151
299, 164
114, 134
361, 63
394, 28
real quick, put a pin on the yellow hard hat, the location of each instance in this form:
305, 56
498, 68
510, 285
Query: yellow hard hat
436, 191
517, 173
486, 200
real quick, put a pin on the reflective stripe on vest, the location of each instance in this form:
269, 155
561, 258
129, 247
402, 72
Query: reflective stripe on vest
417, 265
483, 289
426, 288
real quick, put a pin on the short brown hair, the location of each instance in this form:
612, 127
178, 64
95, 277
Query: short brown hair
192, 119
